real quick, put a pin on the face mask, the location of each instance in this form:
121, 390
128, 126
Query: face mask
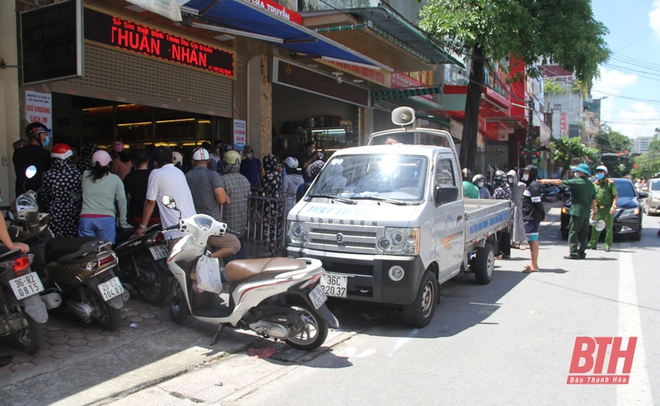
248, 155
45, 143
600, 176
576, 175
217, 151
510, 180
480, 185
525, 177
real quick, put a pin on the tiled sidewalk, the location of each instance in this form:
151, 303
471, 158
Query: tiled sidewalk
66, 336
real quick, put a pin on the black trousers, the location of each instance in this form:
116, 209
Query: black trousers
504, 243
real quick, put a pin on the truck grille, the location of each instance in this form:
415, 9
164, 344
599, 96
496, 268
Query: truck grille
353, 269
352, 233
345, 244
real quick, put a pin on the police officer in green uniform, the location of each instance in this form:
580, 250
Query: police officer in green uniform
606, 199
583, 198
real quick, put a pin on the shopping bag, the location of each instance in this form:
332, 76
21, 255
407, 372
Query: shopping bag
208, 274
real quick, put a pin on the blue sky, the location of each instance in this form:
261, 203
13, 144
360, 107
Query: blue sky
631, 78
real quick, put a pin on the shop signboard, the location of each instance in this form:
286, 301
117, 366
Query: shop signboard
128, 35
38, 108
240, 134
277, 9
51, 42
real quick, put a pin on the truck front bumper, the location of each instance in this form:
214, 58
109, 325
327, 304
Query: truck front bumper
368, 278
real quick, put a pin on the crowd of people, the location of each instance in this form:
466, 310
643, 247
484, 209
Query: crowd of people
100, 191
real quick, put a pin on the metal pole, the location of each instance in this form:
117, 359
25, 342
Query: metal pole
530, 131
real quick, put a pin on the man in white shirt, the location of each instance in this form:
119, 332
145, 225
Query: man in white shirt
168, 180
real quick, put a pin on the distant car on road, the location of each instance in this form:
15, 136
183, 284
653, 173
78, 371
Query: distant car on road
628, 214
652, 204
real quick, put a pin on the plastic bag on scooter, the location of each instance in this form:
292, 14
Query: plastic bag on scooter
208, 274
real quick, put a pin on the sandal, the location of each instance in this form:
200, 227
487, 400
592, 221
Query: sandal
529, 270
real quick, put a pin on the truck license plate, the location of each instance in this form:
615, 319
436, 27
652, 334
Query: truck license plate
111, 288
317, 296
26, 285
334, 284
159, 251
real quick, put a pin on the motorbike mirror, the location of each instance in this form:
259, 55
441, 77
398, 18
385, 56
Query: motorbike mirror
169, 202
30, 171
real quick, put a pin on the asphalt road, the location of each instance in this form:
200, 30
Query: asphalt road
510, 342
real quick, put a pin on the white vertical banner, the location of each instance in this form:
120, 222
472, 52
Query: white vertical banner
38, 108
240, 134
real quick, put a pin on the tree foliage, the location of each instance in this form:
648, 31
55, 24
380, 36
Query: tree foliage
550, 86
547, 31
647, 164
570, 151
615, 151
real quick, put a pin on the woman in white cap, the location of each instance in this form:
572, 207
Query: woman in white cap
102, 190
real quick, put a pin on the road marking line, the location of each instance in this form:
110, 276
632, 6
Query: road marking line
638, 390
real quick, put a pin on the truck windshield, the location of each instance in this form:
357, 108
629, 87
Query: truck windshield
397, 177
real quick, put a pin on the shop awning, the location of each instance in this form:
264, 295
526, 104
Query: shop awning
382, 35
244, 16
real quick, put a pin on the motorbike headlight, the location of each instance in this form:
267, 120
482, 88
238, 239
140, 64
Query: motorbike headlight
400, 241
297, 234
630, 212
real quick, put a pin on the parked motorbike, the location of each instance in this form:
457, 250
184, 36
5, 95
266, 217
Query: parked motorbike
143, 264
278, 298
550, 193
74, 271
23, 312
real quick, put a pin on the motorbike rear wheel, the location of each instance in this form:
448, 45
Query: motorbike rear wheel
109, 317
31, 338
178, 305
314, 330
155, 290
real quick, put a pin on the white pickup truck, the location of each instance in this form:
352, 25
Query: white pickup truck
390, 224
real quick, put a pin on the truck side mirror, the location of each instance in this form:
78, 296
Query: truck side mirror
445, 194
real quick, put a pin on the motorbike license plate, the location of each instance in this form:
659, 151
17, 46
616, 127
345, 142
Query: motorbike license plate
159, 251
334, 284
111, 288
26, 285
317, 296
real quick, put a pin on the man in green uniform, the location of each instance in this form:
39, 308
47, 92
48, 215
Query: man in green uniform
583, 197
469, 189
606, 199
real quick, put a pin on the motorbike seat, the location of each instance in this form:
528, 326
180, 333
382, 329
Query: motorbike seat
240, 269
63, 250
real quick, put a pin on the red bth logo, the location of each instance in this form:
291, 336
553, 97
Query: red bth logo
589, 360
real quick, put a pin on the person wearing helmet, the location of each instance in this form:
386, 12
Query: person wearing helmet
102, 191
291, 182
121, 162
606, 201
469, 189
209, 196
238, 189
480, 182
502, 192
61, 188
177, 159
34, 153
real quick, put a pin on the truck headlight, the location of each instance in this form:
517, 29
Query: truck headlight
400, 241
297, 233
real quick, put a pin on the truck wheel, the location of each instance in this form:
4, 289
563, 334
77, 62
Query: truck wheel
420, 312
484, 265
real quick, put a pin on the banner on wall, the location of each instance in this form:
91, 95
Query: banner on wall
240, 134
38, 108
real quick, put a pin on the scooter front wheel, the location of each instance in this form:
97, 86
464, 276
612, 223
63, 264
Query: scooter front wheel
311, 330
178, 305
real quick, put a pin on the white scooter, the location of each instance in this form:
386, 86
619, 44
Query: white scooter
278, 298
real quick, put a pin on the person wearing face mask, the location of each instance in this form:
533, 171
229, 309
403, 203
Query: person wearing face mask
34, 153
480, 182
606, 200
583, 202
533, 214
250, 167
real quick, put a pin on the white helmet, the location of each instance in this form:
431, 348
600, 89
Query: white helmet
601, 168
291, 162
